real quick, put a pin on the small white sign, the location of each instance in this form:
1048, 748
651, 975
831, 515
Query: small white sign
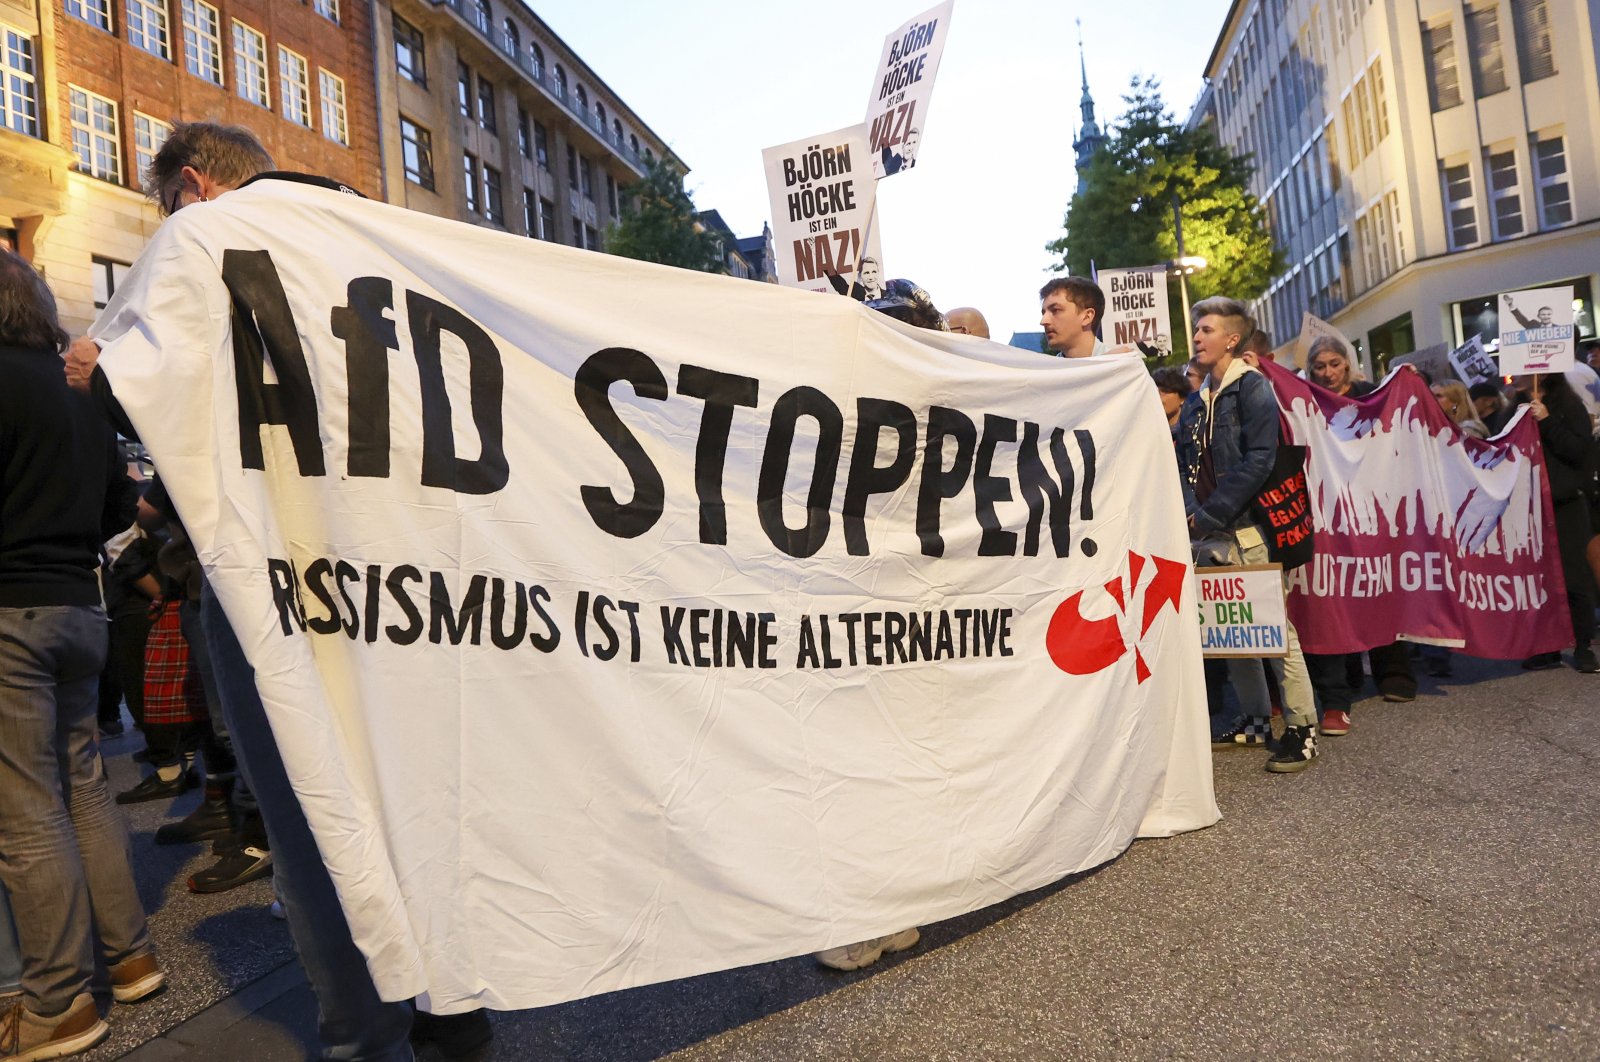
1536, 331
1242, 611
897, 107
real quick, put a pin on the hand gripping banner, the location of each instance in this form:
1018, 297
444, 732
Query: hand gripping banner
619, 623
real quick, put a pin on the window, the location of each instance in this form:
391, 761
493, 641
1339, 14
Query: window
410, 59
633, 145
536, 60
611, 195
616, 131
416, 150
1352, 141
1550, 169
250, 64
530, 213
202, 41
108, 276
96, 13
19, 92
512, 38
148, 136
1393, 199
583, 99
328, 9
577, 232
547, 220
1364, 106
1380, 102
335, 120
1461, 214
1483, 43
541, 146
1534, 49
464, 89
493, 204
524, 135
572, 167
561, 84
471, 183
591, 238
95, 138
1439, 50
294, 85
600, 115
586, 176
486, 109
482, 16
1505, 198
147, 26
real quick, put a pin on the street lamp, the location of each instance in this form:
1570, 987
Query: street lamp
1182, 267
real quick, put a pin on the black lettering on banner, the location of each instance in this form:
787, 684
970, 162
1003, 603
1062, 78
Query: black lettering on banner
396, 584
672, 635
286, 595
374, 586
264, 329
368, 337
497, 614
1086, 500
790, 407
592, 383
538, 596
989, 489
317, 574
721, 391
446, 620
938, 482
608, 650
1040, 491
345, 573
486, 375
866, 476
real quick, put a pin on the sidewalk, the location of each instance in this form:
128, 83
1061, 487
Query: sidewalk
270, 1020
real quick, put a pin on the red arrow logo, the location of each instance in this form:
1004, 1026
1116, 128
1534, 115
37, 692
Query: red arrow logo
1081, 646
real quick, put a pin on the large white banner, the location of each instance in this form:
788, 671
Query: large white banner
902, 86
1136, 309
822, 193
619, 623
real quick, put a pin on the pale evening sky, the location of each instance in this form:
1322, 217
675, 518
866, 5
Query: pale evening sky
720, 80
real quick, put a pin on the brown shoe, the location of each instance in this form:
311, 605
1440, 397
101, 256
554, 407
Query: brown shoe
136, 979
26, 1036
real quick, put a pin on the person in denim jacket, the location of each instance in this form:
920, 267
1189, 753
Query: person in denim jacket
1227, 441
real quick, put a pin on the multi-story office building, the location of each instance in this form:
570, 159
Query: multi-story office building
748, 258
1416, 157
487, 116
89, 90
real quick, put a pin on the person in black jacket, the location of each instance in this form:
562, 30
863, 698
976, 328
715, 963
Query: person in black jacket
64, 853
1565, 431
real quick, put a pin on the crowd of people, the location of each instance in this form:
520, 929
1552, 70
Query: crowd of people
103, 604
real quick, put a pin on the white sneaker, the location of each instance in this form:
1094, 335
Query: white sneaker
867, 952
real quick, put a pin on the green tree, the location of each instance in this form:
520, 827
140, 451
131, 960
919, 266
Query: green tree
1124, 216
662, 226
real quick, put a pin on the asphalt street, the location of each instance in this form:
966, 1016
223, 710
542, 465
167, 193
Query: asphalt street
1430, 889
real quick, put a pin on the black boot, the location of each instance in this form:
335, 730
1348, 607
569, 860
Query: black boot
210, 820
455, 1035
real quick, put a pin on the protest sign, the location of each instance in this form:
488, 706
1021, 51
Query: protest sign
897, 107
1242, 611
1422, 533
1136, 309
1536, 331
1434, 362
822, 194
619, 623
1474, 364
1313, 328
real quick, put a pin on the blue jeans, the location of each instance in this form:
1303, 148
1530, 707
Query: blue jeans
353, 1023
65, 859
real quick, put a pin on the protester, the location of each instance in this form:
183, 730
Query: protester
1172, 384
199, 161
1070, 311
1490, 404
1329, 363
904, 301
1194, 374
1458, 406
64, 852
1228, 437
1257, 348
967, 321
1566, 432
1589, 351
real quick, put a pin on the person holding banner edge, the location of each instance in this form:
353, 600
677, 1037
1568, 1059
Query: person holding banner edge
1228, 437
199, 161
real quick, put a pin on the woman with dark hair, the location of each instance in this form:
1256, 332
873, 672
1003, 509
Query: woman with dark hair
1564, 428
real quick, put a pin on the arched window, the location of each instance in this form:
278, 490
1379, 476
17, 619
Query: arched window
633, 144
513, 37
561, 83
484, 15
583, 98
536, 58
616, 131
648, 157
600, 113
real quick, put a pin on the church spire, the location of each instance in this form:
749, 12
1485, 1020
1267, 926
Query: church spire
1089, 139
